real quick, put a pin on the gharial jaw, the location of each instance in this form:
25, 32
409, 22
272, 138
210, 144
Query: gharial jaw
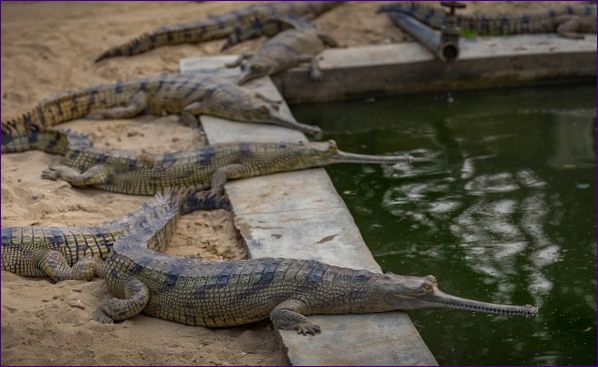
411, 293
443, 300
317, 154
311, 130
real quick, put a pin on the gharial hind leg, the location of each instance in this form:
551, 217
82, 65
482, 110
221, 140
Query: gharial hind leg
287, 316
96, 175
238, 61
259, 27
136, 298
238, 37
327, 40
55, 266
135, 107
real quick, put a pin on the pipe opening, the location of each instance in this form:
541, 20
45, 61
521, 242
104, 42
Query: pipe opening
450, 52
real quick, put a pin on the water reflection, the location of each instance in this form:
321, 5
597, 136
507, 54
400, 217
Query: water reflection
574, 139
496, 218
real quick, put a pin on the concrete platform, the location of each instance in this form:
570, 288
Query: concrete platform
410, 68
300, 215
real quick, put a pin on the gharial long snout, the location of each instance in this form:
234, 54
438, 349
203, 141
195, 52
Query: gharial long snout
314, 131
441, 299
345, 157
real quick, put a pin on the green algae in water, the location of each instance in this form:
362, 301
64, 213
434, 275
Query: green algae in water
503, 210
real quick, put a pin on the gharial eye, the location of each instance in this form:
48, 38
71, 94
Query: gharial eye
332, 146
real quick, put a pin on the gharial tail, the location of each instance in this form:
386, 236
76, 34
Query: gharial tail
160, 227
238, 25
49, 141
174, 34
156, 220
24, 132
151, 226
139, 45
23, 124
28, 132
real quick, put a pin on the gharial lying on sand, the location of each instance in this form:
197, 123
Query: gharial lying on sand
287, 49
210, 166
186, 94
63, 253
237, 26
240, 292
567, 20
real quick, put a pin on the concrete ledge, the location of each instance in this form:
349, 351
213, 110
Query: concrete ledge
365, 339
410, 68
300, 215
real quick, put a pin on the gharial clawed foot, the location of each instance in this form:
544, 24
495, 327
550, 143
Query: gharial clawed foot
305, 328
188, 119
315, 74
100, 316
50, 174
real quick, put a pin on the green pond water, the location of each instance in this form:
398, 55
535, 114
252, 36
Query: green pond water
502, 210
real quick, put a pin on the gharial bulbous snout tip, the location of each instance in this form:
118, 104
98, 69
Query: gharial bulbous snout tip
532, 311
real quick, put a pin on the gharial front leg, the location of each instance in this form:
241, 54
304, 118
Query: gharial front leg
136, 106
54, 265
189, 114
96, 175
287, 316
116, 309
223, 174
314, 67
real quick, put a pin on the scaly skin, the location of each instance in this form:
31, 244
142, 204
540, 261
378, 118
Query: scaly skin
286, 50
187, 95
49, 141
567, 20
236, 26
76, 252
210, 166
241, 292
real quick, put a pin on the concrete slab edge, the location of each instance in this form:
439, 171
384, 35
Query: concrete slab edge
278, 216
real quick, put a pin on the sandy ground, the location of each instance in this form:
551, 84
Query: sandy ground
48, 48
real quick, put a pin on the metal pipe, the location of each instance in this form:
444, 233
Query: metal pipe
445, 48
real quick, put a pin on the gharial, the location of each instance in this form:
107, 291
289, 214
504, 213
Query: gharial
302, 43
63, 253
240, 292
207, 167
568, 21
186, 94
237, 26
